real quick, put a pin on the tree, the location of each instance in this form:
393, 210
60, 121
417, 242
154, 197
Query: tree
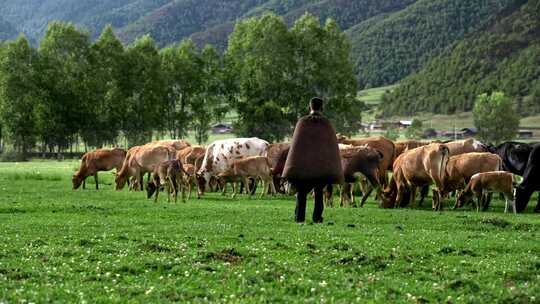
182, 69
19, 94
64, 75
414, 131
107, 97
495, 118
207, 104
145, 104
276, 71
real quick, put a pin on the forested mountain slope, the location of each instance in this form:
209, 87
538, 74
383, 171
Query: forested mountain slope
505, 56
390, 47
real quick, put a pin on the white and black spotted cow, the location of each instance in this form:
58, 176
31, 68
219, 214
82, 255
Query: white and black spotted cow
220, 155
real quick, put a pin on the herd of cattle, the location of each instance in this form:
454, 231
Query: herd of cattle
466, 168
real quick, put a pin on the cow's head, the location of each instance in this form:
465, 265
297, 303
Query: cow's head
76, 180
120, 181
201, 183
464, 197
151, 189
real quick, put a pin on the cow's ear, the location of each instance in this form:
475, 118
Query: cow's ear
381, 156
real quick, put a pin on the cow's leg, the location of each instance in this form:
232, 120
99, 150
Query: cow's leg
319, 204
353, 200
486, 201
157, 191
423, 194
169, 187
96, 180
365, 197
84, 183
436, 202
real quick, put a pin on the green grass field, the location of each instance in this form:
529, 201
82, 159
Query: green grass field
59, 245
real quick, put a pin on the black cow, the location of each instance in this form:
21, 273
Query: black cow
514, 156
531, 181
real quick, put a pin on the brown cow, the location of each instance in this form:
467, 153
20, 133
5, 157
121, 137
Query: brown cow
461, 168
250, 167
171, 174
95, 161
140, 160
381, 144
465, 146
415, 168
361, 159
489, 182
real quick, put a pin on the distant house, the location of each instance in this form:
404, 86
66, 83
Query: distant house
469, 132
222, 128
525, 134
429, 133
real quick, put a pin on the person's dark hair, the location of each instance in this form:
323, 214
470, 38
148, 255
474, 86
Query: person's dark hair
316, 104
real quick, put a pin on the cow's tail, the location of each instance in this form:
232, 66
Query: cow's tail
442, 165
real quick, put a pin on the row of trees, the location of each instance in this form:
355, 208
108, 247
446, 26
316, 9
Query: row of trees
71, 89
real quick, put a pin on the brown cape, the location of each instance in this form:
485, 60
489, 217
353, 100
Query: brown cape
314, 153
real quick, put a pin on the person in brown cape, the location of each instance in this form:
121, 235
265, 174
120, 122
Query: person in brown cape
313, 160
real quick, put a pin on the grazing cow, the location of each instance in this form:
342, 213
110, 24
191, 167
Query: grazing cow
95, 161
221, 154
461, 168
465, 146
275, 151
416, 168
189, 154
530, 183
175, 144
364, 160
488, 182
171, 174
140, 160
383, 145
250, 167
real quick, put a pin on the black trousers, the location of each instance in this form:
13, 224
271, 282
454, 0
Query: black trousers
301, 201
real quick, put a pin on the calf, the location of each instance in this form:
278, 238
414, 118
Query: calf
95, 161
488, 182
190, 179
171, 174
254, 167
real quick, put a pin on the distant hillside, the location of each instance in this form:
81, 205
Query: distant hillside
390, 47
391, 38
7, 30
503, 56
211, 21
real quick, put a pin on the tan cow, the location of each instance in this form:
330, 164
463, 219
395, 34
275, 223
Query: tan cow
140, 160
175, 144
489, 182
405, 145
465, 146
95, 161
461, 168
413, 169
250, 167
169, 173
383, 145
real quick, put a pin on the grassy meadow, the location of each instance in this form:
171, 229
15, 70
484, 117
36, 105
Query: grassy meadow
59, 245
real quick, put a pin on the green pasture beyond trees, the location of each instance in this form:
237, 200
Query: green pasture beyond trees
98, 246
